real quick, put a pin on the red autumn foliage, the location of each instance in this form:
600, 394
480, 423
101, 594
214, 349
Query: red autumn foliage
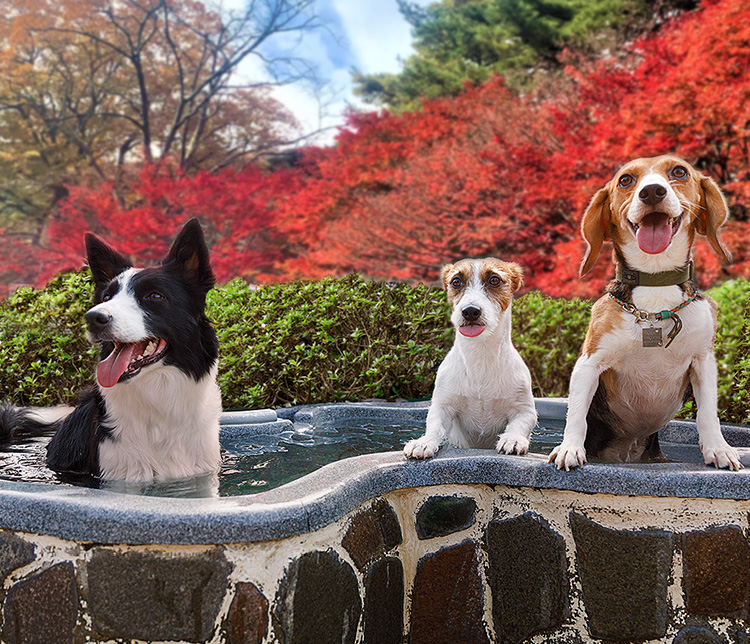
487, 172
234, 207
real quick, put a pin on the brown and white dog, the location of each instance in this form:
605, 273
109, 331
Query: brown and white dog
482, 396
650, 339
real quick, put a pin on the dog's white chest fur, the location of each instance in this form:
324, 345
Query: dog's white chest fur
651, 380
480, 388
164, 425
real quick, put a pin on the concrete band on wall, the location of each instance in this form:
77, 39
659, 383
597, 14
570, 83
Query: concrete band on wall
320, 498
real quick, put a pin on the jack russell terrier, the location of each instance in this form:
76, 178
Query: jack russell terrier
650, 338
482, 397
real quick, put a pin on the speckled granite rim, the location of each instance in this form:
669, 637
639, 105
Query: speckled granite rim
324, 496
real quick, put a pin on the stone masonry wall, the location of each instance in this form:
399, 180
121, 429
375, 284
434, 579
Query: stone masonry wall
449, 564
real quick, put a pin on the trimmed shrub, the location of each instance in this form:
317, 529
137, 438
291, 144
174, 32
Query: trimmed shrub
548, 333
738, 410
734, 372
45, 358
330, 340
294, 343
732, 350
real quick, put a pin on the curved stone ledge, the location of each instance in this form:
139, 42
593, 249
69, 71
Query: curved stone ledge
327, 495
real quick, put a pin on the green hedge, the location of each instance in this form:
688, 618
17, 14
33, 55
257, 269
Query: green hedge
306, 342
335, 339
732, 350
738, 372
44, 355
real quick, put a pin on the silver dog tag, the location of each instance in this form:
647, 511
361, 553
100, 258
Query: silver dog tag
652, 337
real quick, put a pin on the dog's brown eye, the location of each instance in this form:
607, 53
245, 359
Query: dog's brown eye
626, 181
494, 280
679, 172
155, 296
456, 282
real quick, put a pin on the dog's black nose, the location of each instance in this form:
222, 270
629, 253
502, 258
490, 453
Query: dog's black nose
471, 313
98, 320
652, 194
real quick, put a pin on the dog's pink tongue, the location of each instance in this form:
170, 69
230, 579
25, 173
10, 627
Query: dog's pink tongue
471, 330
654, 234
109, 371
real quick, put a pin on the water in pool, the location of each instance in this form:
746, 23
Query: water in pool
257, 463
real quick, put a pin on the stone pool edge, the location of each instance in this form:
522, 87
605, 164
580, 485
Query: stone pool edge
320, 498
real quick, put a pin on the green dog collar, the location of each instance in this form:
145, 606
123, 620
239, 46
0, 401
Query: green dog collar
667, 278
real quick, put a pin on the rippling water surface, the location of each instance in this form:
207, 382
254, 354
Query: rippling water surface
257, 463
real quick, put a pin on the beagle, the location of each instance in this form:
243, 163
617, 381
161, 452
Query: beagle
650, 338
482, 396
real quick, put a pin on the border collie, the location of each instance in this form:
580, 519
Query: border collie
154, 414
482, 396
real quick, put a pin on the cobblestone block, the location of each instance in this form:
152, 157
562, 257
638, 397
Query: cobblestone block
624, 575
441, 515
716, 570
384, 602
318, 601
156, 596
372, 533
42, 609
528, 576
14, 553
248, 615
448, 598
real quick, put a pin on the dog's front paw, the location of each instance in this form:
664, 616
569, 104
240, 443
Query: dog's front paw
421, 448
723, 456
568, 456
512, 444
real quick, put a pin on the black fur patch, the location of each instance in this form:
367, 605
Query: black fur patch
75, 445
18, 423
600, 422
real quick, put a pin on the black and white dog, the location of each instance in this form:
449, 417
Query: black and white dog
154, 414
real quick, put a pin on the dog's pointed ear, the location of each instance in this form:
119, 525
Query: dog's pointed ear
515, 275
595, 228
103, 260
445, 273
189, 254
712, 217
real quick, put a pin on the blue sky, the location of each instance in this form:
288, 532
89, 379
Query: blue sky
369, 35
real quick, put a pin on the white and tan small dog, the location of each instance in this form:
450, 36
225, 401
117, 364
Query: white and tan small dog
650, 338
482, 396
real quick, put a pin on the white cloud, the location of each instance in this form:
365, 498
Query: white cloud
378, 33
370, 35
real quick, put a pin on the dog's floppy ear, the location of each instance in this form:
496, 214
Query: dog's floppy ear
595, 228
189, 255
104, 261
444, 273
515, 275
712, 217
